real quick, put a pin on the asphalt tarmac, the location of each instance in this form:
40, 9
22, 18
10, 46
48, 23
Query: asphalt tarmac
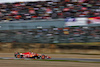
67, 59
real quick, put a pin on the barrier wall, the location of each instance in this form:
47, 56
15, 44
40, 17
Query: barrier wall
31, 24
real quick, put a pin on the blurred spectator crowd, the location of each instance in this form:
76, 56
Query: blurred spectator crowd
52, 35
48, 10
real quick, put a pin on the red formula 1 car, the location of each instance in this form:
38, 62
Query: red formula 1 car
31, 55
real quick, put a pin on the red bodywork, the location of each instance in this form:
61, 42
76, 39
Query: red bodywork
31, 55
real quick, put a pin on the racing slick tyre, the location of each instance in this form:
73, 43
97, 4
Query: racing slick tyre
18, 56
42, 57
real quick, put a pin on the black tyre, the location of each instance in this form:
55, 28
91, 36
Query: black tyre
18, 56
42, 57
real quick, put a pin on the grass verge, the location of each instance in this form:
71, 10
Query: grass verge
87, 43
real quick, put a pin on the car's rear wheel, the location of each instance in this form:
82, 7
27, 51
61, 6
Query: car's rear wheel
18, 56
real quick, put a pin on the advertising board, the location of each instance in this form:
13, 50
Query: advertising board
76, 21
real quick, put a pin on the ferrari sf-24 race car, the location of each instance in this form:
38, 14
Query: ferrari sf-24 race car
31, 55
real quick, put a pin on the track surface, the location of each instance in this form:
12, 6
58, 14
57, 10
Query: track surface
18, 63
69, 59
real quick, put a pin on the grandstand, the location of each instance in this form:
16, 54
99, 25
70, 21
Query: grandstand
50, 10
36, 22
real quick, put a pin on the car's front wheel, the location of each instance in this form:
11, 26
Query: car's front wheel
42, 57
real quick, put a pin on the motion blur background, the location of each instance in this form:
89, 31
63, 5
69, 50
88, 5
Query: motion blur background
62, 29
49, 21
